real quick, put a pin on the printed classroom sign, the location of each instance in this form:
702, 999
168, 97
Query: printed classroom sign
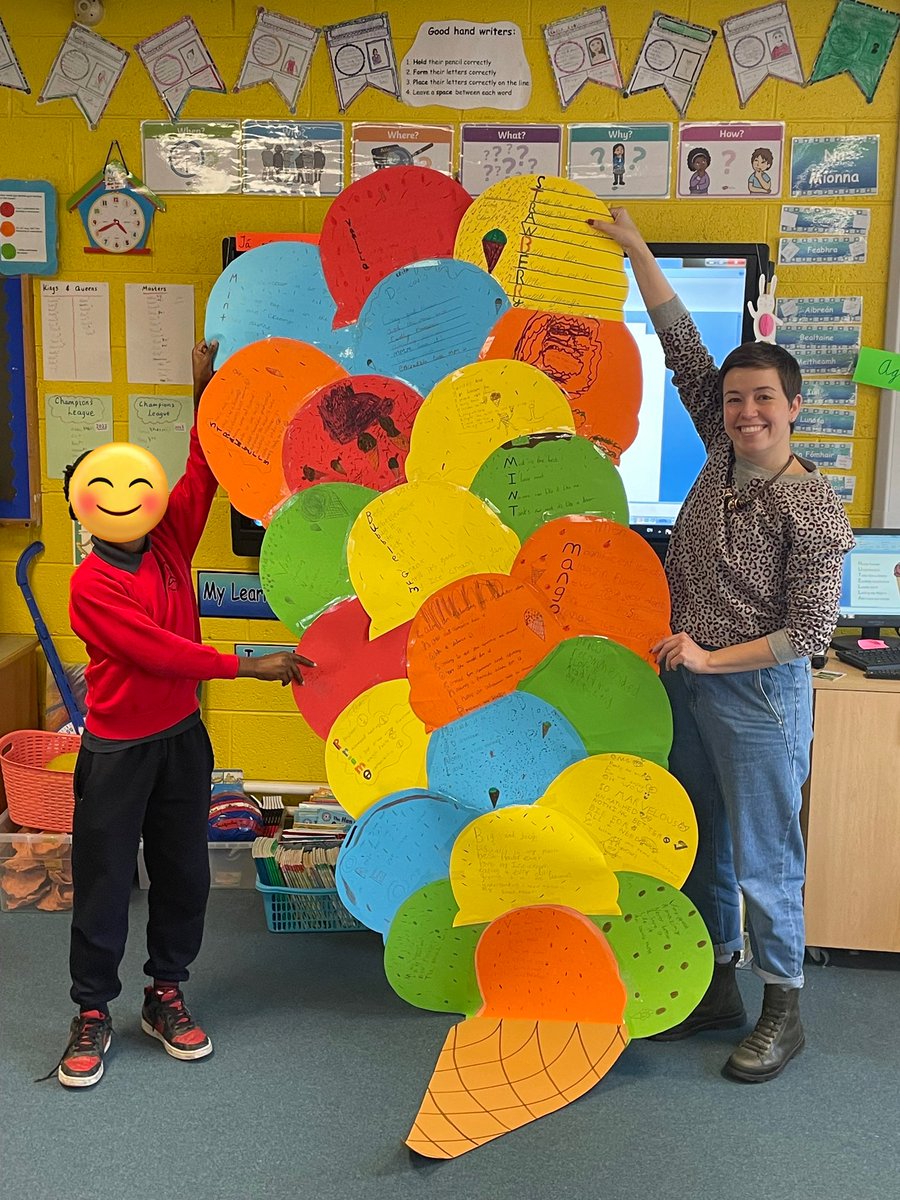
491, 153
232, 594
806, 252
375, 147
462, 65
199, 157
621, 160
292, 158
834, 166
730, 160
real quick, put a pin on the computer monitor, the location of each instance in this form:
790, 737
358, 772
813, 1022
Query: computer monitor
715, 281
870, 587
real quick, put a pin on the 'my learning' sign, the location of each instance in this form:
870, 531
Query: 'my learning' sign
232, 594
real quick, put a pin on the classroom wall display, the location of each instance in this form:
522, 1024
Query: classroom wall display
805, 218
11, 74
193, 157
86, 69
815, 251
75, 424
621, 160
374, 147
734, 160
835, 166
672, 57
292, 158
178, 62
75, 332
162, 425
28, 227
760, 45
494, 741
582, 50
362, 55
820, 310
461, 64
859, 41
280, 52
489, 153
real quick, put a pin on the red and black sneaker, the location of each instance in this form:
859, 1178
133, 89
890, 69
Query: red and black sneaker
82, 1062
165, 1017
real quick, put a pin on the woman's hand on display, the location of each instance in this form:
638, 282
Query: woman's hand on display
621, 229
680, 650
283, 666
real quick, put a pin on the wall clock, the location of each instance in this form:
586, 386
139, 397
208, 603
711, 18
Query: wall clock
116, 209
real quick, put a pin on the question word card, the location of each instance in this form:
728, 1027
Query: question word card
734, 159
621, 160
375, 147
490, 153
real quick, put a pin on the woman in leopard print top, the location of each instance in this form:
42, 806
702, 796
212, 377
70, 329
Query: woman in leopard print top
754, 569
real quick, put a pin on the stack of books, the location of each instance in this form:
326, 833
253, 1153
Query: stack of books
305, 851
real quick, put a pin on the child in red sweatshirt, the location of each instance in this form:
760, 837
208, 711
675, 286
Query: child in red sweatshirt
145, 760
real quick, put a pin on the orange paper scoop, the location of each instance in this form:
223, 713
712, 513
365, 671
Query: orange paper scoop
548, 962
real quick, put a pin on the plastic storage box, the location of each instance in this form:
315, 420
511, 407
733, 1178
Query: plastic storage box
230, 866
35, 870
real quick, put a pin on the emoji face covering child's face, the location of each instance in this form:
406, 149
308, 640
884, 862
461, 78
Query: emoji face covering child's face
119, 492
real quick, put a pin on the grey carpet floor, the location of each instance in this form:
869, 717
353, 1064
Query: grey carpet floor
319, 1069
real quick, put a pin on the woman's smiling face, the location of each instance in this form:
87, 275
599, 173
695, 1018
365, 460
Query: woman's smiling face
119, 492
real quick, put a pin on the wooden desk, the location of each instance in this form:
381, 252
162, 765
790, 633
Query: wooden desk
852, 818
18, 687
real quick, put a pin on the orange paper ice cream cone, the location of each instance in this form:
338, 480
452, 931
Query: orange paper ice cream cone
495, 1075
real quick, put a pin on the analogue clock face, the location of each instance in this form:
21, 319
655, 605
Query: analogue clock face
116, 222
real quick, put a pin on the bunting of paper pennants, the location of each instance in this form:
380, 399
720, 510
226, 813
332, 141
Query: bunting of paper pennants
447, 535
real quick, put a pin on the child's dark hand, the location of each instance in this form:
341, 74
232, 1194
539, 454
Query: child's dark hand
202, 357
283, 666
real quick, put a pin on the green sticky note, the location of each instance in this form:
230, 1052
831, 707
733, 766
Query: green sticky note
880, 368
428, 962
664, 953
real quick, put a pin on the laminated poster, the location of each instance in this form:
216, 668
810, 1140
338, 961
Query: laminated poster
581, 51
362, 55
760, 44
292, 158
846, 165
621, 161
820, 310
178, 62
838, 455
86, 69
828, 422
11, 75
672, 57
796, 218
733, 160
75, 424
459, 64
375, 147
859, 41
844, 486
491, 153
195, 157
837, 392
280, 52
815, 251
162, 425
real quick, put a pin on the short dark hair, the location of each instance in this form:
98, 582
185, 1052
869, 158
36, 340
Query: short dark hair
762, 152
67, 479
760, 356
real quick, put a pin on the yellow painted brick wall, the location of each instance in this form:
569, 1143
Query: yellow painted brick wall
253, 725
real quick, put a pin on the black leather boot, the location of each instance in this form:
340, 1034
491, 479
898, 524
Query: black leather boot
720, 1008
778, 1036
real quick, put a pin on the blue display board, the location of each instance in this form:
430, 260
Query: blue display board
17, 449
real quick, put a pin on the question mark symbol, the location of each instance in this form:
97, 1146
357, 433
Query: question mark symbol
729, 156
523, 150
598, 154
533, 163
639, 155
512, 164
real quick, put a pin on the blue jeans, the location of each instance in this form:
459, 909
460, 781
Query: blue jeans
741, 751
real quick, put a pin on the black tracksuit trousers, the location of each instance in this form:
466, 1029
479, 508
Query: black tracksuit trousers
160, 789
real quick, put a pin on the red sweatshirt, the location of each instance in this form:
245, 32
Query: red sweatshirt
142, 629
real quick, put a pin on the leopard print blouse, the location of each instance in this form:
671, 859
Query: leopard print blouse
770, 569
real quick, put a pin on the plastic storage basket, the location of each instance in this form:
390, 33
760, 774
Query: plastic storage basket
293, 910
38, 798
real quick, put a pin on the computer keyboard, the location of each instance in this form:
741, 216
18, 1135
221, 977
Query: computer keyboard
878, 660
885, 671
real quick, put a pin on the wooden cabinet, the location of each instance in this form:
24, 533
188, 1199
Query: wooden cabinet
852, 816
18, 687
